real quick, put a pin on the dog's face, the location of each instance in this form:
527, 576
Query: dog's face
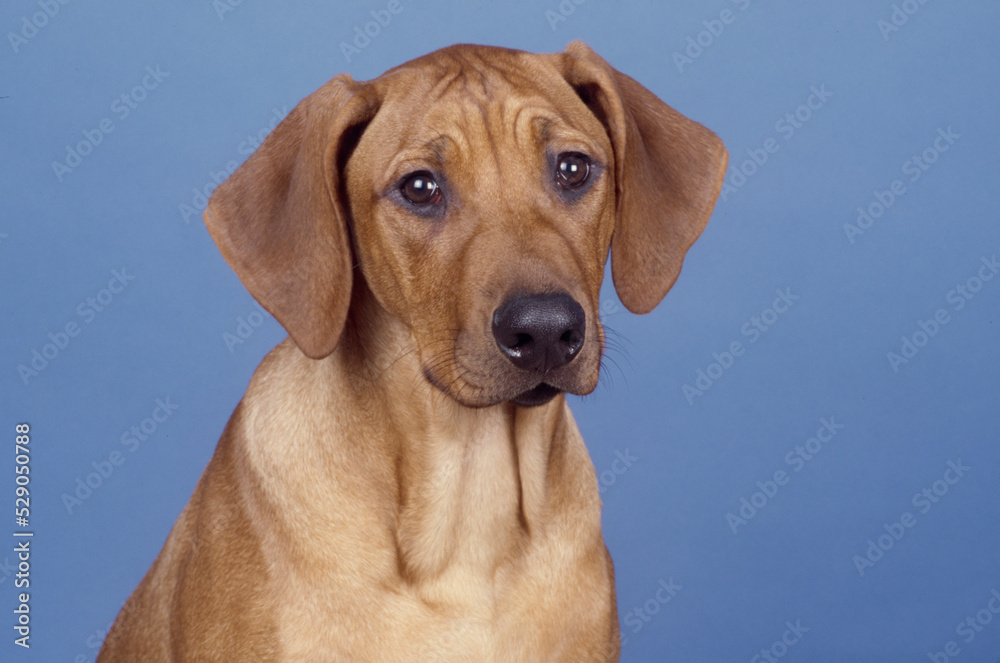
482, 207
478, 190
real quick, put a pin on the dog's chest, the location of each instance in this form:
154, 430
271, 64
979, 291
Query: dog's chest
531, 618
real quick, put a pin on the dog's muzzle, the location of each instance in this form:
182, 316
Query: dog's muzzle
539, 334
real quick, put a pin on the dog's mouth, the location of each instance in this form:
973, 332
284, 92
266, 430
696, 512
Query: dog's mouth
539, 395
477, 378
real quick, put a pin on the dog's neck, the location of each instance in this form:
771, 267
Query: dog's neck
469, 485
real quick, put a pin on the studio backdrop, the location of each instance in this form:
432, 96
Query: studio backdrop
797, 451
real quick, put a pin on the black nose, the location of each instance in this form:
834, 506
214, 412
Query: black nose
540, 332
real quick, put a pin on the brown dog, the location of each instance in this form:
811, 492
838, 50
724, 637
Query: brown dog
403, 480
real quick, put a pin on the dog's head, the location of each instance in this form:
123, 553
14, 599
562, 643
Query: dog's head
477, 191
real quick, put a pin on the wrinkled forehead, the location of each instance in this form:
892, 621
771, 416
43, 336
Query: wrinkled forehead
455, 103
479, 74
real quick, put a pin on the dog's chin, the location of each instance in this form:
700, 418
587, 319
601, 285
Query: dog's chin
539, 395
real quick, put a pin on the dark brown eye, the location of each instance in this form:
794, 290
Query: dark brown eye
572, 170
421, 189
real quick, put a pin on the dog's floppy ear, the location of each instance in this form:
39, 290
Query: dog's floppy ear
668, 174
280, 220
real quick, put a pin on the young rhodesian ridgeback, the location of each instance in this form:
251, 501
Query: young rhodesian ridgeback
403, 480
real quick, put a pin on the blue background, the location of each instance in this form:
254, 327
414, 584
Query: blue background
226, 75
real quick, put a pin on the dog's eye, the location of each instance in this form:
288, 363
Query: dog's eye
420, 189
572, 170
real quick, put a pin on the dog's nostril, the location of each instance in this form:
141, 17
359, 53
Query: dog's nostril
520, 340
571, 337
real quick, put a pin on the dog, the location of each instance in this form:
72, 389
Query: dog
403, 479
